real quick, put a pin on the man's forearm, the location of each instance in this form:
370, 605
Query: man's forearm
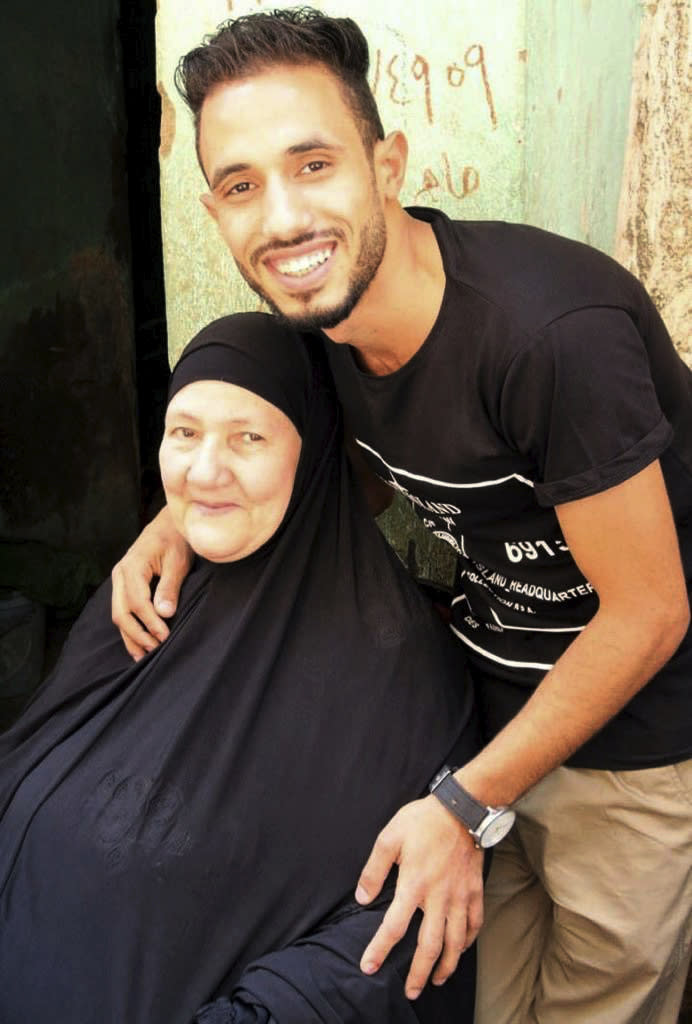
595, 677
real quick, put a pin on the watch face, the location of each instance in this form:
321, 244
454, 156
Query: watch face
496, 829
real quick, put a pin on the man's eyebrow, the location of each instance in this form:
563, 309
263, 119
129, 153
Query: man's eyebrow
310, 144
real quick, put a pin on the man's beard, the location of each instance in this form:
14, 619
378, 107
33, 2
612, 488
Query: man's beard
373, 239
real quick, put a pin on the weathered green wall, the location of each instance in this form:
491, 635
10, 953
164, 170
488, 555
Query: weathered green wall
69, 482
578, 77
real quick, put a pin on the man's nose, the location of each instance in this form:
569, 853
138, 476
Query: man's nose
286, 210
210, 465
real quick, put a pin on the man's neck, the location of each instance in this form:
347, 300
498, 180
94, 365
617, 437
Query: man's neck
397, 312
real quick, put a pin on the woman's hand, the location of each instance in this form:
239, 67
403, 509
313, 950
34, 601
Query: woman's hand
440, 871
158, 551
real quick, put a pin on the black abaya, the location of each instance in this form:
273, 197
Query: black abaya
166, 823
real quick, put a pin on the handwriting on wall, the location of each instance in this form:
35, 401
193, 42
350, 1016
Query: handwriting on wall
391, 76
460, 185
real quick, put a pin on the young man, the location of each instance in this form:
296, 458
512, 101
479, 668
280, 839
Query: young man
522, 391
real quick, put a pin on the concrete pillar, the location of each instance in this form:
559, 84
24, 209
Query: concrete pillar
655, 211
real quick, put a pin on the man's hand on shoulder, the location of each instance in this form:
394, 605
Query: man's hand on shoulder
440, 871
158, 551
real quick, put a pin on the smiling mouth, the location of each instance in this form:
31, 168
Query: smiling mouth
301, 266
210, 508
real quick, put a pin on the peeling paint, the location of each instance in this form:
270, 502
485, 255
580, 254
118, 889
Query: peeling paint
167, 122
655, 211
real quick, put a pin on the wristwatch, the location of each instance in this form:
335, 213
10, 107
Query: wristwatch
487, 825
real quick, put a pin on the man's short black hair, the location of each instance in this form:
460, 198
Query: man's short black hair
253, 43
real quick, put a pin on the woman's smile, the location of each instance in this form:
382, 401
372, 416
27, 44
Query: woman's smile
211, 508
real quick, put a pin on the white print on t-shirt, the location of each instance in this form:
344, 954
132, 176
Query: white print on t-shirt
455, 542
440, 483
451, 540
504, 598
546, 594
519, 549
473, 623
534, 629
429, 506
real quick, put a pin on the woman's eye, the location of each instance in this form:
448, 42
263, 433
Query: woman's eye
184, 433
249, 437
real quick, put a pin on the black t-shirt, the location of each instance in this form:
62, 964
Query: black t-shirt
548, 376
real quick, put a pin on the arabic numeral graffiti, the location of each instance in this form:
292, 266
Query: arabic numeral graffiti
394, 71
421, 70
396, 82
475, 58
455, 75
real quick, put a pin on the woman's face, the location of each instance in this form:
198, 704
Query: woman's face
228, 461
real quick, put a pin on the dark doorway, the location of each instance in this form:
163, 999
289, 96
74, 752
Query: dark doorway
83, 360
143, 112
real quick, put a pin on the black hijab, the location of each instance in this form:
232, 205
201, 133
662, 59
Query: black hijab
163, 823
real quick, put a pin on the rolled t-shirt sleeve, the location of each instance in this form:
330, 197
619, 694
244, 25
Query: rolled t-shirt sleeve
579, 401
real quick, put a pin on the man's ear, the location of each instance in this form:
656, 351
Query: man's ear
390, 158
209, 203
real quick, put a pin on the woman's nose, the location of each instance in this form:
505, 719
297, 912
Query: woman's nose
209, 466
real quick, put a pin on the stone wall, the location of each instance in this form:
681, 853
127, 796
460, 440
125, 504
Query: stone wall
655, 213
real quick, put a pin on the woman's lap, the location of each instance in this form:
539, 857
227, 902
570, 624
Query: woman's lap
317, 980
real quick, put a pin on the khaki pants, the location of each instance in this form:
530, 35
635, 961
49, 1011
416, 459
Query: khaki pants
589, 902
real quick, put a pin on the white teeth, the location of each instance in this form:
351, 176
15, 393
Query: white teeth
300, 265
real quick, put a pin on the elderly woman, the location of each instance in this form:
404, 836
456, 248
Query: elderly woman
180, 837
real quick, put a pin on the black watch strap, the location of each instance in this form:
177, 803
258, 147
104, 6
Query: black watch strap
457, 800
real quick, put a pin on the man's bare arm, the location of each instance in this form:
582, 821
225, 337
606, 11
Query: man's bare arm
158, 551
624, 542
